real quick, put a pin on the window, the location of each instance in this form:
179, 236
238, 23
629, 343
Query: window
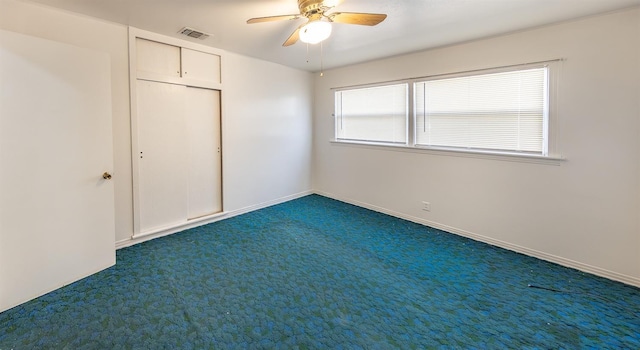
499, 111
374, 114
503, 110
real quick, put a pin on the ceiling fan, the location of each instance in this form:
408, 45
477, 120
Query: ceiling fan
318, 25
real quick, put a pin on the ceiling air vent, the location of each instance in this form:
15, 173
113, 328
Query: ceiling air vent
193, 33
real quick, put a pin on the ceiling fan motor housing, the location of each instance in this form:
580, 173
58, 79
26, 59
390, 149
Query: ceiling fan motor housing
310, 7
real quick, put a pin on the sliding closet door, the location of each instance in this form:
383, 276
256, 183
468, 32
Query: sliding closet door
203, 137
162, 146
176, 140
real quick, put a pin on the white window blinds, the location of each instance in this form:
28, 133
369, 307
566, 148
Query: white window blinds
374, 114
505, 111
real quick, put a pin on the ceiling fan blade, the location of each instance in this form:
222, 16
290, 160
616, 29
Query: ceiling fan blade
293, 38
365, 19
272, 18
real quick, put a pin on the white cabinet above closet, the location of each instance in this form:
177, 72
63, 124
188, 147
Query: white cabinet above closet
158, 61
200, 65
157, 58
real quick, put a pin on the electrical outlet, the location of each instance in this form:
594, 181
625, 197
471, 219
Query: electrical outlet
426, 206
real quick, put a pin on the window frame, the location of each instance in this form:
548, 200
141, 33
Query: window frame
549, 152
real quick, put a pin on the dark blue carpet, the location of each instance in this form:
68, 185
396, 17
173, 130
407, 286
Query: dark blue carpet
315, 273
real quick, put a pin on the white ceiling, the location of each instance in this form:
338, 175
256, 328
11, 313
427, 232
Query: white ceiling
411, 25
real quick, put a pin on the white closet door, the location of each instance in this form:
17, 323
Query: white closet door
56, 210
154, 57
200, 65
162, 161
203, 137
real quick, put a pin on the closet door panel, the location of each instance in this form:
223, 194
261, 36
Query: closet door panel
154, 57
200, 65
203, 138
162, 147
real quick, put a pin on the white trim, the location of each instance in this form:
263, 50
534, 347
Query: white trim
634, 281
181, 225
489, 70
134, 76
133, 112
165, 231
179, 81
504, 156
124, 243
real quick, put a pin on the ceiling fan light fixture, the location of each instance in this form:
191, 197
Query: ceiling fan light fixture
315, 32
319, 22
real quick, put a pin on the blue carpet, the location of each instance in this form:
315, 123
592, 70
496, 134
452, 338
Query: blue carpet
315, 273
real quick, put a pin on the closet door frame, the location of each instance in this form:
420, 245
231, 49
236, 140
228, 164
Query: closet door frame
134, 76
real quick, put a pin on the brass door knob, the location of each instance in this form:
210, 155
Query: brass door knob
106, 176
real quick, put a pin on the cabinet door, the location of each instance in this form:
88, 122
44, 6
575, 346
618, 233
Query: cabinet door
157, 58
162, 161
203, 138
200, 65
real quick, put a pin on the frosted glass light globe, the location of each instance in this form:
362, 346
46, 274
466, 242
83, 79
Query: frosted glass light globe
315, 32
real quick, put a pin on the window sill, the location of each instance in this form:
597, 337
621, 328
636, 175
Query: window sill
503, 156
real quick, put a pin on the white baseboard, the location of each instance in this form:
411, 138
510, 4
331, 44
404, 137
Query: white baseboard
139, 238
495, 242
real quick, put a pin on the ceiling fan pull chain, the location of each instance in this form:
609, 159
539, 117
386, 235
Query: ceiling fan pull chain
321, 63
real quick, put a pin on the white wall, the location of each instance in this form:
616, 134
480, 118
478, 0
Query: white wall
266, 133
266, 113
583, 212
86, 32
